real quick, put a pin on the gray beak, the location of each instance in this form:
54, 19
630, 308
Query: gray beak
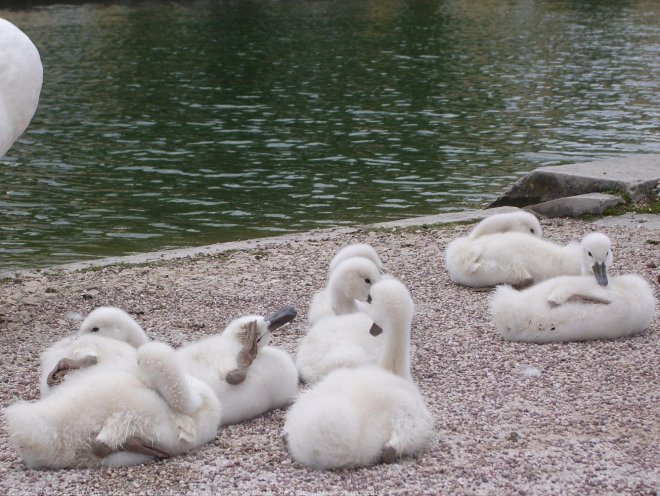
282, 316
375, 329
369, 298
600, 271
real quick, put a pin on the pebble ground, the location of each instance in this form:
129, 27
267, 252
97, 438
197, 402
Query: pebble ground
511, 418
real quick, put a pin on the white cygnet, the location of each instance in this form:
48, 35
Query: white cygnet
360, 416
112, 416
576, 308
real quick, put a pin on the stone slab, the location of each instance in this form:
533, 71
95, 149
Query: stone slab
575, 206
636, 176
632, 220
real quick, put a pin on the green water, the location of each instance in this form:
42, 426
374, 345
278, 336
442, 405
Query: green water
163, 125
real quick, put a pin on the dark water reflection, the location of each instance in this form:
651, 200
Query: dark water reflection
165, 124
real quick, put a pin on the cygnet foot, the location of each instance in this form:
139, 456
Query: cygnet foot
56, 375
388, 454
246, 355
133, 445
392, 449
525, 283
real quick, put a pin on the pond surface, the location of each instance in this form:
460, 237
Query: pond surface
164, 125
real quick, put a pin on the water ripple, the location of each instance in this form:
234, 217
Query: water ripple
148, 138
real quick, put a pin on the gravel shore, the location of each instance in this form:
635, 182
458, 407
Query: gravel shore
511, 418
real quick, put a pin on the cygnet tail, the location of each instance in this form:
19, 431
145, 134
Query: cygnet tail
323, 433
462, 260
504, 312
31, 435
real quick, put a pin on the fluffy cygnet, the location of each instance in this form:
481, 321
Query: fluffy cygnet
576, 308
73, 355
349, 283
110, 416
511, 258
115, 323
361, 416
518, 221
249, 376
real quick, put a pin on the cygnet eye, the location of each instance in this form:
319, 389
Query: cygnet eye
95, 329
367, 280
589, 253
531, 229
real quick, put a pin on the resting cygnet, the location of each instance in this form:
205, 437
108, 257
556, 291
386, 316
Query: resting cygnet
249, 376
363, 250
107, 336
510, 258
73, 355
337, 341
115, 323
519, 221
361, 416
576, 308
349, 283
110, 416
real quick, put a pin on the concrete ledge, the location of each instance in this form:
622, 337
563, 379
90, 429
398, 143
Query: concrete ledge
449, 218
255, 244
636, 176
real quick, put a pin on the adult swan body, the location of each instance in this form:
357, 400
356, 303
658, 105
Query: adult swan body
21, 76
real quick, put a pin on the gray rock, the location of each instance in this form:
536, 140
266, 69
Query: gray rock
636, 176
575, 206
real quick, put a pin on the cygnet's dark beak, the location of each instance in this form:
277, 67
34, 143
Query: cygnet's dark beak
369, 298
600, 271
375, 329
282, 316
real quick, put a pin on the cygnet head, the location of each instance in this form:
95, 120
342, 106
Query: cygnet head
391, 304
354, 277
112, 322
597, 256
519, 221
356, 250
265, 325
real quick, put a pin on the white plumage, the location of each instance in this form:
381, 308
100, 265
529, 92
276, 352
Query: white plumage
339, 332
576, 308
337, 341
73, 355
518, 221
361, 416
348, 284
115, 323
363, 250
109, 416
267, 379
21, 76
107, 336
509, 258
